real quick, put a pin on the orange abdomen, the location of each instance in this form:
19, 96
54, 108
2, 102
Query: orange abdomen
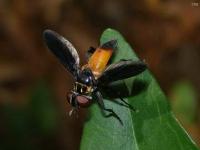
99, 60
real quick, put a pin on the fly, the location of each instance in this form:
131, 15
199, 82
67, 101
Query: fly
95, 74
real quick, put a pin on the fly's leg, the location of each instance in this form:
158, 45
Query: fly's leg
124, 103
100, 102
73, 111
75, 106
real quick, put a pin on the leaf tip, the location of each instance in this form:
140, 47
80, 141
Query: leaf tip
110, 31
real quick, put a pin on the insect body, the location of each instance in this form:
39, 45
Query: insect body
95, 74
99, 59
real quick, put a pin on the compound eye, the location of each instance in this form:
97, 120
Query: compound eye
82, 101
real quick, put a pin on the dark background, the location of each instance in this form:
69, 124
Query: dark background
33, 85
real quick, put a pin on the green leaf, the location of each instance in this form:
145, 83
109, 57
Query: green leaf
152, 126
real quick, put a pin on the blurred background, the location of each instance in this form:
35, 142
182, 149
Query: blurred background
33, 85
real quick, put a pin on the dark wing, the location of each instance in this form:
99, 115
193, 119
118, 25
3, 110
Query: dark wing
122, 70
63, 50
112, 44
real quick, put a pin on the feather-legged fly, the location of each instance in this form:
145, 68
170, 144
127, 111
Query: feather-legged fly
95, 74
